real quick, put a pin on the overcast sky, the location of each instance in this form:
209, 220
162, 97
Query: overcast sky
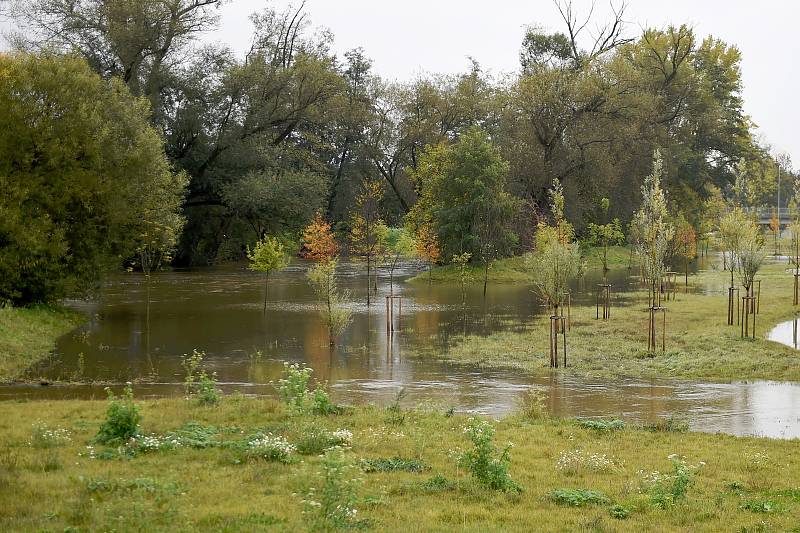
407, 37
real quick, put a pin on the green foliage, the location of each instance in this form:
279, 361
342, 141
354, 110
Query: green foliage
619, 512
85, 179
294, 391
605, 235
394, 464
315, 440
122, 419
750, 254
577, 497
602, 425
268, 255
198, 384
670, 424
762, 506
332, 505
330, 298
463, 193
667, 489
653, 229
488, 465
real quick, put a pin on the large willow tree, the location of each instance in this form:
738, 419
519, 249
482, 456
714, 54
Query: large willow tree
85, 181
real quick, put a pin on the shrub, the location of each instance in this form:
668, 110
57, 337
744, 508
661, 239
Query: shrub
333, 504
293, 389
122, 418
667, 489
602, 425
487, 464
394, 464
577, 497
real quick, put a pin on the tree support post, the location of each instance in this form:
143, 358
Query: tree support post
748, 311
557, 325
652, 329
603, 298
731, 300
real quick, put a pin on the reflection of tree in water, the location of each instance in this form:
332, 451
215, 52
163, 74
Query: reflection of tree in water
318, 351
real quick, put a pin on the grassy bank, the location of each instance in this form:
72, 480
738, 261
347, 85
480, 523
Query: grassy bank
50, 480
699, 344
512, 269
28, 334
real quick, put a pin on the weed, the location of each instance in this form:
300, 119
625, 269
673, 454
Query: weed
397, 416
577, 497
437, 484
122, 418
332, 505
268, 447
315, 441
619, 512
761, 506
44, 437
198, 384
394, 464
488, 465
293, 388
667, 489
602, 425
571, 462
671, 424
532, 405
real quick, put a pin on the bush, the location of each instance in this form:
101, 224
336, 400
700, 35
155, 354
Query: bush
488, 465
577, 497
122, 418
532, 405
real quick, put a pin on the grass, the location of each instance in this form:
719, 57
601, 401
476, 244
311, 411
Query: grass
28, 334
699, 344
744, 481
513, 269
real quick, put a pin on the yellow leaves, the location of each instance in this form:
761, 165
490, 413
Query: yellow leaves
319, 241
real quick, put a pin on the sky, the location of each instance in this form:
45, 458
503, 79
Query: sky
409, 37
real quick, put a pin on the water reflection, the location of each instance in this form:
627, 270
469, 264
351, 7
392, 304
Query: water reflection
786, 333
219, 311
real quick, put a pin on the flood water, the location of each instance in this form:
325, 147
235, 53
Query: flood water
220, 311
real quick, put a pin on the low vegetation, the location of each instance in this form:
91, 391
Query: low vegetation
699, 344
237, 466
27, 335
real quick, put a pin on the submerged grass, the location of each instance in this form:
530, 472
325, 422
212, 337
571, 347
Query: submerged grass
513, 269
188, 488
27, 335
699, 344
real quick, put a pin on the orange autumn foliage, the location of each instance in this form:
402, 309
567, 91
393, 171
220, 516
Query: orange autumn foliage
319, 243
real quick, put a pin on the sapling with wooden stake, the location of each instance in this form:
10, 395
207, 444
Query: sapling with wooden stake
267, 256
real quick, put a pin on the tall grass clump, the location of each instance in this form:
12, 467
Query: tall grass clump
487, 464
667, 489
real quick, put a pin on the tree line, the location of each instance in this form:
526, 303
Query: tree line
267, 140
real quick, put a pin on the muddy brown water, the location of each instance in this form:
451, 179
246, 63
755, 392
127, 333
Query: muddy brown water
220, 311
